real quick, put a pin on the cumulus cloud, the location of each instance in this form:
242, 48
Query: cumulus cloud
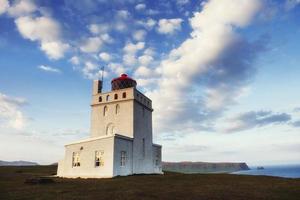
91, 45
169, 26
139, 35
21, 8
206, 55
105, 56
92, 71
49, 69
143, 71
123, 14
44, 30
254, 119
10, 112
130, 49
75, 60
4, 5
148, 24
140, 7
182, 2
98, 28
145, 60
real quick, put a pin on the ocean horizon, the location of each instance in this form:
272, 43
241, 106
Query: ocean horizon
285, 171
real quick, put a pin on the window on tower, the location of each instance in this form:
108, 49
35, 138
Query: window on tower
124, 95
107, 98
116, 96
117, 109
100, 99
105, 110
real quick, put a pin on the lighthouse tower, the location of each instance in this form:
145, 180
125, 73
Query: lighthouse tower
121, 135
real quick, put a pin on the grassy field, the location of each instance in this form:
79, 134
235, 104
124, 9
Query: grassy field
169, 186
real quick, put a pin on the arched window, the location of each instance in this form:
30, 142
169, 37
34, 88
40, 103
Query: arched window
124, 95
107, 98
117, 109
105, 110
100, 99
116, 96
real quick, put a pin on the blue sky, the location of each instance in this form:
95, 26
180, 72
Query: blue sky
223, 74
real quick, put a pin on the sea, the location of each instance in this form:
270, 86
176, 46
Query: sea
285, 171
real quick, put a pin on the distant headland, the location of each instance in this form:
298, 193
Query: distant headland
204, 167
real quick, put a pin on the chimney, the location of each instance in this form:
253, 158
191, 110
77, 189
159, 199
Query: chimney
97, 87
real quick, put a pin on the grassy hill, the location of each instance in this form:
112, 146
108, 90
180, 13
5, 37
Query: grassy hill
14, 185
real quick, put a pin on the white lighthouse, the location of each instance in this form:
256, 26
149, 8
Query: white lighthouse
121, 136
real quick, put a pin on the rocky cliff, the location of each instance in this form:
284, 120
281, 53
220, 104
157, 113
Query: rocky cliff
203, 167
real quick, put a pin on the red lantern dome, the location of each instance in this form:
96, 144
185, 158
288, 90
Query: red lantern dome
122, 82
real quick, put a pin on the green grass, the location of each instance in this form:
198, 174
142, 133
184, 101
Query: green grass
169, 186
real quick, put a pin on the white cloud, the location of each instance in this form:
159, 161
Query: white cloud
182, 2
4, 5
120, 26
91, 70
169, 26
46, 31
54, 49
40, 28
117, 68
129, 59
98, 28
149, 52
148, 24
49, 69
140, 7
132, 48
75, 60
105, 56
21, 8
145, 82
123, 14
212, 33
11, 115
91, 45
145, 60
106, 38
143, 71
139, 35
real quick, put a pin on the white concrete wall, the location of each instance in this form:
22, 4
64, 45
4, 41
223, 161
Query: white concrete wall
123, 121
157, 167
142, 130
122, 145
87, 167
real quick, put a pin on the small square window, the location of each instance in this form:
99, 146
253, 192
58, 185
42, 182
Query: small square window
99, 160
76, 159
